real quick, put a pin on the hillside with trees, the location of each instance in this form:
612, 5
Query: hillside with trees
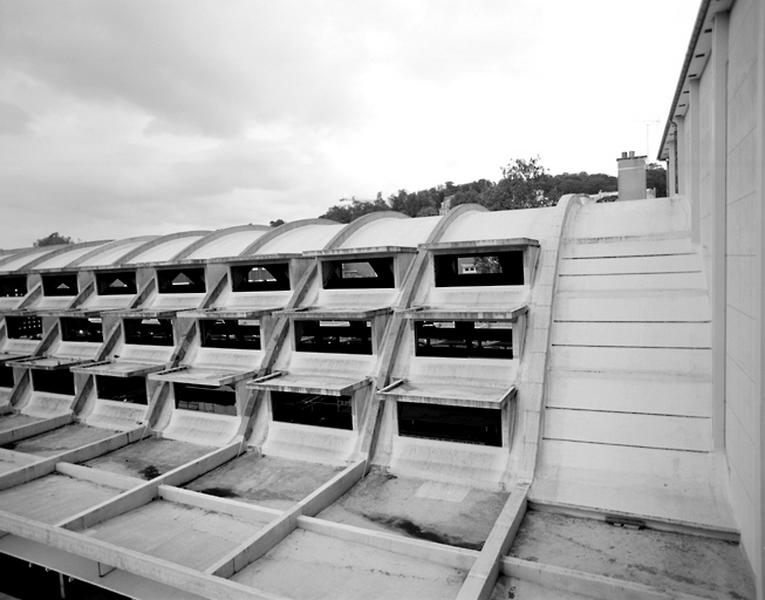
525, 183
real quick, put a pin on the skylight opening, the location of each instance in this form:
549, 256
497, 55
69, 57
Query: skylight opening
56, 381
462, 424
148, 332
122, 389
115, 284
354, 274
60, 284
181, 281
221, 401
312, 409
82, 330
13, 286
260, 278
474, 269
240, 334
464, 339
24, 328
346, 337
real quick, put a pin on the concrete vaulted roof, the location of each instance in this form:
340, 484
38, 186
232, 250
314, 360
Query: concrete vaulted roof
163, 248
390, 229
223, 242
140, 512
484, 225
19, 260
65, 256
296, 237
110, 253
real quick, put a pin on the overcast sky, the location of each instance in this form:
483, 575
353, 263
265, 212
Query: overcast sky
122, 118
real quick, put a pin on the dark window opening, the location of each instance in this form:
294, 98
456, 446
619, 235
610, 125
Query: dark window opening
60, 285
6, 376
149, 332
242, 334
203, 398
82, 330
122, 389
312, 409
113, 284
181, 281
493, 268
354, 274
450, 423
464, 339
260, 278
24, 328
347, 337
13, 286
57, 381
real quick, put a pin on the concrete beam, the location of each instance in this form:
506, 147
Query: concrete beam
450, 556
47, 465
719, 533
94, 449
21, 432
123, 482
236, 508
201, 465
325, 495
483, 575
252, 549
586, 584
28, 472
113, 507
145, 493
151, 567
17, 458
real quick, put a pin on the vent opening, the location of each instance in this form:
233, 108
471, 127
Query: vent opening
13, 286
114, 284
148, 332
241, 334
450, 423
63, 284
346, 337
464, 339
24, 328
181, 281
260, 278
122, 389
204, 398
6, 376
82, 330
355, 274
57, 381
485, 268
312, 409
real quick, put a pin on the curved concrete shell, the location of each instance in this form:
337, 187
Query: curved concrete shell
381, 406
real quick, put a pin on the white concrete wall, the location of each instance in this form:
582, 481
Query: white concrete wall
706, 168
722, 136
744, 319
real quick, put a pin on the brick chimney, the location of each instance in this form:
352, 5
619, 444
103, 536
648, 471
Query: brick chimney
632, 179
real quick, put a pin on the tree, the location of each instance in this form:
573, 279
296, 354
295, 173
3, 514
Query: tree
523, 184
656, 177
351, 208
54, 239
580, 183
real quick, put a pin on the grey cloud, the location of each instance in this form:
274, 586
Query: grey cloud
201, 69
13, 120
